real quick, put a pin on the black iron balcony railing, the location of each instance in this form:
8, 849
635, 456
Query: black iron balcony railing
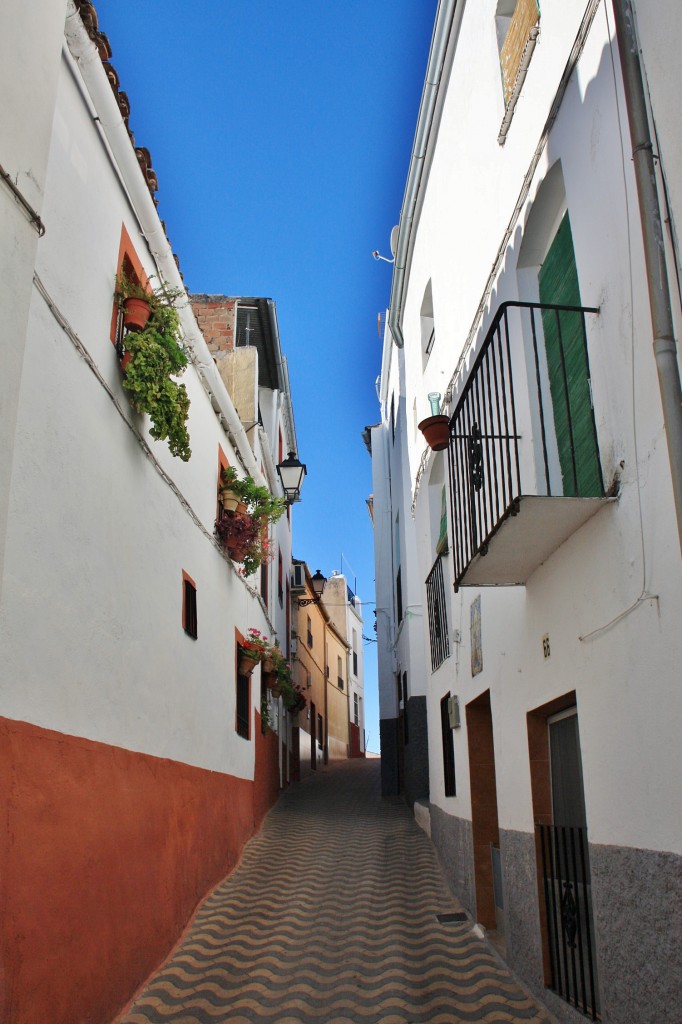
523, 423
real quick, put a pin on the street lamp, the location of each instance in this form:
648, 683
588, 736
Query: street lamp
291, 473
318, 581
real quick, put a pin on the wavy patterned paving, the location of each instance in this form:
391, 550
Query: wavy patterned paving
330, 918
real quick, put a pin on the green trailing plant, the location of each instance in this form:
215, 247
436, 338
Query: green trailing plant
262, 508
260, 503
265, 721
156, 356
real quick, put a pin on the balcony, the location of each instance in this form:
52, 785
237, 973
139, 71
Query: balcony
524, 465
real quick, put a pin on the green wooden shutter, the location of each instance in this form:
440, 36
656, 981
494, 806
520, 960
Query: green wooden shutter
568, 371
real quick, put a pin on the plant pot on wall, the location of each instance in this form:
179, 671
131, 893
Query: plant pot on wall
230, 500
246, 664
436, 430
136, 313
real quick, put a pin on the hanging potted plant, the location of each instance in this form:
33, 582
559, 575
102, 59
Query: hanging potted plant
276, 671
435, 428
244, 531
252, 651
154, 356
135, 300
230, 497
295, 701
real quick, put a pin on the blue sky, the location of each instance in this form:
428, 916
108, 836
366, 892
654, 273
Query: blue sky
281, 135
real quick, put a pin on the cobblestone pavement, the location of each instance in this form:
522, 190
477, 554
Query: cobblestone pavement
331, 918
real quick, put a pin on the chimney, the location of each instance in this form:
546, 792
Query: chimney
216, 318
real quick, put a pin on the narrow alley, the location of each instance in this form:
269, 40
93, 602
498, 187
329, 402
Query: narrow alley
332, 916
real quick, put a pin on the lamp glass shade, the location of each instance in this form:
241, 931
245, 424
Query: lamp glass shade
291, 473
318, 581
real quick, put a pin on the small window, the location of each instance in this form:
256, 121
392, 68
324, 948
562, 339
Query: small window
243, 705
356, 709
339, 672
130, 265
448, 748
280, 579
189, 606
309, 636
428, 332
320, 730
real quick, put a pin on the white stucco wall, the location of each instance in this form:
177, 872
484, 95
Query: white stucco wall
97, 536
625, 675
30, 44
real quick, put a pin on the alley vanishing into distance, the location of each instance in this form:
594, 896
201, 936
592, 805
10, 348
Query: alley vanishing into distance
332, 916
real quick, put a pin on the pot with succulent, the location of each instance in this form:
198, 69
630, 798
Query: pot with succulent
154, 356
247, 511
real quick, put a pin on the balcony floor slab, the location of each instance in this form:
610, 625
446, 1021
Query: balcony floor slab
524, 541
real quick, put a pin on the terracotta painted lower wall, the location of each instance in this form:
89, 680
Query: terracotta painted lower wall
104, 855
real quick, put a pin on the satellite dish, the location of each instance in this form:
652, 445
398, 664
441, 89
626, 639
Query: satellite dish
394, 240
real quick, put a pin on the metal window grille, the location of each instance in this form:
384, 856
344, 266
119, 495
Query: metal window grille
243, 706
355, 663
568, 909
438, 623
356, 716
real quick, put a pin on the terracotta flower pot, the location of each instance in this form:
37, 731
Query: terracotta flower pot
136, 313
229, 500
246, 664
237, 549
271, 681
436, 430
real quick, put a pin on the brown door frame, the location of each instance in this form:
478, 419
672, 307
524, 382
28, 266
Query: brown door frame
484, 821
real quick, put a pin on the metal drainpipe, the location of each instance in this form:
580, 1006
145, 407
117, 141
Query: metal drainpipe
665, 348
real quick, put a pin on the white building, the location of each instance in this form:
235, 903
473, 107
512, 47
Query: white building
528, 574
132, 759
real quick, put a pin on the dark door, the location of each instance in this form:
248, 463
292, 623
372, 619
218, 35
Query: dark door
568, 369
566, 871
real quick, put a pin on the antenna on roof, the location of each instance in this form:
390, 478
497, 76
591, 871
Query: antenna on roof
379, 324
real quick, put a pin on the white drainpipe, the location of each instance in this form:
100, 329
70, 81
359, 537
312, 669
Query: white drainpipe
448, 18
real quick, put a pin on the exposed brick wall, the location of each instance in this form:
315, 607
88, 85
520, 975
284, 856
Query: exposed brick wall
216, 318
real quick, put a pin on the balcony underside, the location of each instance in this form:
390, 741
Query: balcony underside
524, 541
